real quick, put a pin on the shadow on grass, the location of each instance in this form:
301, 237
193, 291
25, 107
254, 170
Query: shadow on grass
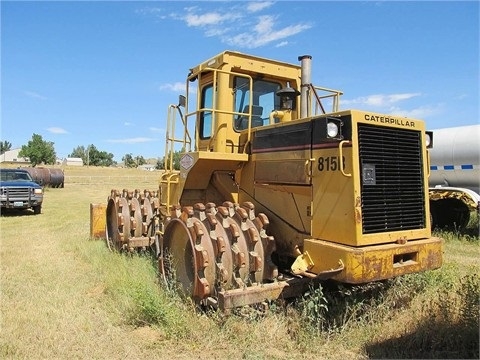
430, 340
16, 212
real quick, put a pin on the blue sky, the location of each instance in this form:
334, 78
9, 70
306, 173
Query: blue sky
104, 73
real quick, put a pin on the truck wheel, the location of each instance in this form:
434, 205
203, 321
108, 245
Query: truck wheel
37, 209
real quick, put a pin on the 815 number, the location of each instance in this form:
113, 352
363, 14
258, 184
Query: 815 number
330, 163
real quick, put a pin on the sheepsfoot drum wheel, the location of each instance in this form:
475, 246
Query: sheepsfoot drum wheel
117, 212
130, 219
208, 249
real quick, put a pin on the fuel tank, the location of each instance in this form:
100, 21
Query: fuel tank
455, 157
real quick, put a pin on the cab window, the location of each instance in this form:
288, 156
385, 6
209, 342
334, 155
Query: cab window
206, 115
264, 101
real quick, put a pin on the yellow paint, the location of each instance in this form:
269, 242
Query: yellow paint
312, 210
376, 262
97, 220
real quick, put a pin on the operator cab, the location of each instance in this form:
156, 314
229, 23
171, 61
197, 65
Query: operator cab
234, 94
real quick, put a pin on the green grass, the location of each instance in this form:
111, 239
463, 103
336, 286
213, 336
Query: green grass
66, 296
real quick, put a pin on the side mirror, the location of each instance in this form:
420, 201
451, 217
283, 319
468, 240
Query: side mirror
182, 100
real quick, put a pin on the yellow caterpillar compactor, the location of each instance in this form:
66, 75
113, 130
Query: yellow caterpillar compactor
275, 192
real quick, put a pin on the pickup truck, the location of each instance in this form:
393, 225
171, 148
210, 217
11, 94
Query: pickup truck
19, 191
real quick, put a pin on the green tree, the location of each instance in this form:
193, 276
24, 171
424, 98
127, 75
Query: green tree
92, 156
38, 151
129, 161
140, 160
79, 152
177, 155
5, 146
97, 157
105, 159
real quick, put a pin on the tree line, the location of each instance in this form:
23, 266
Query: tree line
40, 151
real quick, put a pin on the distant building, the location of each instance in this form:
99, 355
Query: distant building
11, 157
147, 167
73, 161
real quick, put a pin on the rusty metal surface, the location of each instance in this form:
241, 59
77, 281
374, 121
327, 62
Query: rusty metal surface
57, 178
215, 249
376, 262
446, 193
131, 219
217, 254
291, 287
49, 177
222, 254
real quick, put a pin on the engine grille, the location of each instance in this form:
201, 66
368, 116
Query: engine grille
392, 183
17, 192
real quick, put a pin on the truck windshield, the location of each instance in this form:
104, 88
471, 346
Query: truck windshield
12, 175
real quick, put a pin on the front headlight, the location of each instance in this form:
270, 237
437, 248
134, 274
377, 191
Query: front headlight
332, 129
38, 191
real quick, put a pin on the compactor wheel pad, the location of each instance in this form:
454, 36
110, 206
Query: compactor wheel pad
207, 249
118, 222
130, 215
188, 256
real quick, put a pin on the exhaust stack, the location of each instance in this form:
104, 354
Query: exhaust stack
306, 80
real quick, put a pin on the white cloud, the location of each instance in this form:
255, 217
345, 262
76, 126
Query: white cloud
191, 8
35, 95
389, 104
176, 87
126, 123
264, 24
211, 18
157, 130
151, 11
217, 31
57, 130
399, 97
421, 112
258, 5
233, 25
264, 32
136, 140
380, 100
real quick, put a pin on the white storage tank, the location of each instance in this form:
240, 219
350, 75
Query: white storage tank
455, 157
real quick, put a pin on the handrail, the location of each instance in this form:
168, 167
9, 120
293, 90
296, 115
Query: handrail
169, 178
214, 110
171, 140
331, 93
308, 169
340, 153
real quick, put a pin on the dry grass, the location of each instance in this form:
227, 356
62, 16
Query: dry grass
66, 296
52, 299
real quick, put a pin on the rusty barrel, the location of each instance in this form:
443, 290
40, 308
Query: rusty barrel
57, 178
44, 176
40, 175
34, 174
47, 177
